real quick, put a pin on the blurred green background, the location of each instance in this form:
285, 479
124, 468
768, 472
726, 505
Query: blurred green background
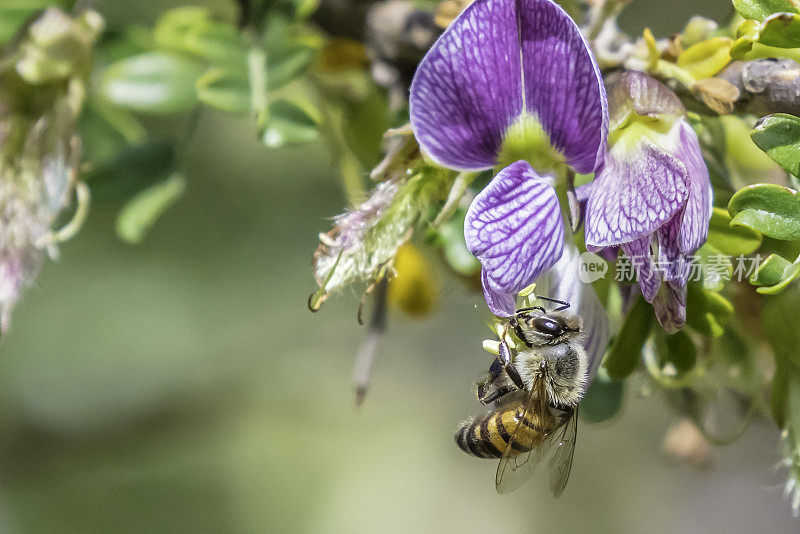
183, 386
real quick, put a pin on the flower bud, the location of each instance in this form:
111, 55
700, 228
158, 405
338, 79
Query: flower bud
58, 46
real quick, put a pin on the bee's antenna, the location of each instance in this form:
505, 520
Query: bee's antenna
563, 304
530, 308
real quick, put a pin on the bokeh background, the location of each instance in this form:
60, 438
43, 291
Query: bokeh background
182, 385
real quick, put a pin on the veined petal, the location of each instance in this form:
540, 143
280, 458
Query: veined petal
672, 261
633, 195
563, 282
499, 60
500, 304
467, 89
638, 252
582, 192
670, 307
636, 92
694, 225
514, 228
563, 86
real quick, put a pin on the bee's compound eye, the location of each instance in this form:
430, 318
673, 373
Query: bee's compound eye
547, 326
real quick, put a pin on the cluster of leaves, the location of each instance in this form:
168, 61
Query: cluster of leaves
189, 59
737, 332
271, 64
299, 83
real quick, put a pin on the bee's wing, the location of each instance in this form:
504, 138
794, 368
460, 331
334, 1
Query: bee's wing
563, 445
514, 469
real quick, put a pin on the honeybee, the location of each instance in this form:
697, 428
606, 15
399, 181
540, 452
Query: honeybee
535, 395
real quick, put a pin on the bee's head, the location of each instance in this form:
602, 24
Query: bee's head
536, 327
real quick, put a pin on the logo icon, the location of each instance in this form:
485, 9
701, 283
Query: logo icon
592, 268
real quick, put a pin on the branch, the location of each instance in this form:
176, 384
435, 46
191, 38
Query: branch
765, 86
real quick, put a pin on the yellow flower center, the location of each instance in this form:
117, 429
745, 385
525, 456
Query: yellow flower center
526, 139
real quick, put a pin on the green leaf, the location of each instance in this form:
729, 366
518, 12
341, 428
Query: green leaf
707, 58
740, 151
771, 209
225, 90
289, 51
626, 351
106, 130
775, 274
681, 351
287, 64
13, 13
290, 122
793, 402
717, 268
778, 391
304, 8
731, 240
781, 30
363, 124
603, 399
131, 171
153, 82
193, 30
142, 211
450, 237
780, 323
11, 19
779, 136
707, 312
760, 9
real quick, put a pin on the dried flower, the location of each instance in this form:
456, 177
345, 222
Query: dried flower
364, 240
39, 150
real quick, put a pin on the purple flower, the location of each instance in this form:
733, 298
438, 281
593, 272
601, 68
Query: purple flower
652, 197
511, 82
563, 282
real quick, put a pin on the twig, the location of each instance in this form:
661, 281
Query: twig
765, 85
369, 348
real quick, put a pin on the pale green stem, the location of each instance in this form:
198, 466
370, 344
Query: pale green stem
257, 74
460, 186
83, 197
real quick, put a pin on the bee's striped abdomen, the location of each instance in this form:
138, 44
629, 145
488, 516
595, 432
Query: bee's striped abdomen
488, 436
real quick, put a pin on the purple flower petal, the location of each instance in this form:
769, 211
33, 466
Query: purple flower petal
514, 228
468, 89
694, 226
670, 307
562, 282
633, 196
638, 252
563, 86
636, 92
500, 304
674, 265
582, 192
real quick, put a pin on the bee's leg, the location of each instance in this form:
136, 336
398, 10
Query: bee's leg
495, 370
496, 394
505, 361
